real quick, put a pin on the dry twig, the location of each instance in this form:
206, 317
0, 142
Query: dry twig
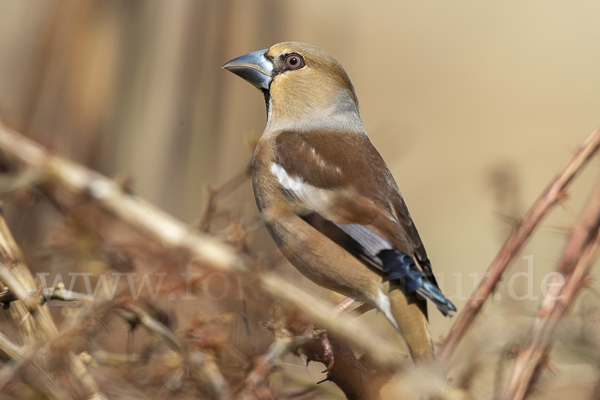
173, 234
345, 327
30, 315
357, 378
515, 242
285, 342
574, 265
110, 196
201, 364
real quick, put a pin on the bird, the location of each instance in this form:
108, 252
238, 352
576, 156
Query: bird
327, 197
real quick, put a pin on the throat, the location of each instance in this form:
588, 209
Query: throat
332, 118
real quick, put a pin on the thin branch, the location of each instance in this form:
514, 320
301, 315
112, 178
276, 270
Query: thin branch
346, 328
136, 316
202, 365
357, 378
45, 294
16, 290
173, 234
214, 193
110, 196
574, 265
38, 326
515, 242
11, 183
11, 350
106, 358
35, 377
60, 293
72, 327
285, 342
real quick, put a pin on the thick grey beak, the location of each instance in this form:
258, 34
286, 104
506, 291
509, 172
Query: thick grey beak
253, 67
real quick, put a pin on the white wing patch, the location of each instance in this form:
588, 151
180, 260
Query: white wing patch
289, 183
320, 200
303, 194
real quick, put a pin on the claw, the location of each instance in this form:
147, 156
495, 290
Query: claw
314, 353
327, 352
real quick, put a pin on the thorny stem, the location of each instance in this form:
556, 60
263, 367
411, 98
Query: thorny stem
574, 265
38, 326
515, 242
170, 233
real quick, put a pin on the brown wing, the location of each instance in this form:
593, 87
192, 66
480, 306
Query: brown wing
346, 181
344, 189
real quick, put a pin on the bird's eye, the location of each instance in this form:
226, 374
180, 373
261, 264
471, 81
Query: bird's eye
294, 61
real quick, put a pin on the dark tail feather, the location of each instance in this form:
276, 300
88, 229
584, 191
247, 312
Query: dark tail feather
400, 266
434, 294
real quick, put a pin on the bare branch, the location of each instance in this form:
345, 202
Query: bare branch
574, 265
201, 364
357, 378
515, 242
345, 327
136, 316
285, 342
107, 194
214, 193
40, 327
11, 350
17, 291
173, 234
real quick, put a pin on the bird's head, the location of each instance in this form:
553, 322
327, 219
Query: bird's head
305, 87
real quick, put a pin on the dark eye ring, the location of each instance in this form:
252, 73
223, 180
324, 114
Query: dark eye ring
294, 61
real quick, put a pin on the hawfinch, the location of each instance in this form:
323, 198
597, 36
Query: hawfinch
328, 198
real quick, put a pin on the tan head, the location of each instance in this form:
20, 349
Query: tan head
305, 87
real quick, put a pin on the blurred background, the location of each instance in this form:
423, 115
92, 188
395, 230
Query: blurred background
474, 106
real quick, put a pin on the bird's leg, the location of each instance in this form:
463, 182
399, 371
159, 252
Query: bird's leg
337, 310
340, 308
327, 351
347, 302
326, 357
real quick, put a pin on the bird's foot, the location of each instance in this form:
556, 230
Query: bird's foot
323, 355
327, 352
340, 308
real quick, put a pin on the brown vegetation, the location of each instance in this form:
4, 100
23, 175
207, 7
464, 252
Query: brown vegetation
63, 361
